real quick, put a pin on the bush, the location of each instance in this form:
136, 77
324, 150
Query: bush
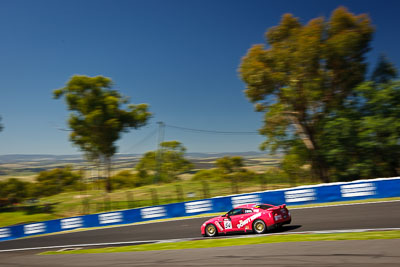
125, 179
212, 174
56, 181
243, 176
276, 175
14, 190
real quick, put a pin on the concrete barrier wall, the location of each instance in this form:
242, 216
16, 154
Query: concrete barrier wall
356, 190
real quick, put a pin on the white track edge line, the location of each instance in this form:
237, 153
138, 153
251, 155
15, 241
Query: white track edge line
345, 204
199, 238
77, 230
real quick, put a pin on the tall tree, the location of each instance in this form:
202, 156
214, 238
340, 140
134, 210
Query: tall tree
98, 116
384, 71
361, 141
230, 164
167, 163
305, 74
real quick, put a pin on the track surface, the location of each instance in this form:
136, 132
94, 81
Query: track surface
365, 216
352, 253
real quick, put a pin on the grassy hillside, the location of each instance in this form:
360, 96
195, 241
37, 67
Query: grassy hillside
91, 201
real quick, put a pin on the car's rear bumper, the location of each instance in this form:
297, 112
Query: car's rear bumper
278, 224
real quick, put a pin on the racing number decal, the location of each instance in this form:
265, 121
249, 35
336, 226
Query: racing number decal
227, 224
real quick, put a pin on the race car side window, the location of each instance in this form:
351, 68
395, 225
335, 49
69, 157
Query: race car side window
235, 212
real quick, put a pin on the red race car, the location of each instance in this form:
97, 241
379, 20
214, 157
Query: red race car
255, 218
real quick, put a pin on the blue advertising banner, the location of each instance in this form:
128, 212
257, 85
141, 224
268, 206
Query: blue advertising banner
356, 190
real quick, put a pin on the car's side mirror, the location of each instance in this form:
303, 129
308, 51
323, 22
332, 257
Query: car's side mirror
226, 215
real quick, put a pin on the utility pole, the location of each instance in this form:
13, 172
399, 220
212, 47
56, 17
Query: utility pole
160, 139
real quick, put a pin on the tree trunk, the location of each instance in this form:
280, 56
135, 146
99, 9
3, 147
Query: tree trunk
318, 165
394, 168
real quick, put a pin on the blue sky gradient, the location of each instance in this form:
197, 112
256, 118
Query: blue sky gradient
181, 57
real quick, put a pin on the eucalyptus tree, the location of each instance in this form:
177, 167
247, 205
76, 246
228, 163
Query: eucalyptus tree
305, 74
99, 114
362, 139
166, 163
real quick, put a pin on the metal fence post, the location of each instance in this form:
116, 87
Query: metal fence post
263, 182
154, 196
179, 193
106, 203
206, 189
85, 206
129, 199
235, 187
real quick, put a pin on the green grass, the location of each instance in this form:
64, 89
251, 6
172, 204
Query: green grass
208, 243
220, 213
70, 204
19, 217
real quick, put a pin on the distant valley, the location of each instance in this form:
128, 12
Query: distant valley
26, 167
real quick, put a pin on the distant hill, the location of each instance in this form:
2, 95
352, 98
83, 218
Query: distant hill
223, 154
21, 165
15, 158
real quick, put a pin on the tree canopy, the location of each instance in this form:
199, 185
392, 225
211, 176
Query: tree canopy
98, 116
55, 181
14, 190
229, 165
305, 74
362, 140
168, 163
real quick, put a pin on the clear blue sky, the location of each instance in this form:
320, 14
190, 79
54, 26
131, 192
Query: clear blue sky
181, 57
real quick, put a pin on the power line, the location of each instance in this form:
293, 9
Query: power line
56, 126
160, 140
210, 131
141, 141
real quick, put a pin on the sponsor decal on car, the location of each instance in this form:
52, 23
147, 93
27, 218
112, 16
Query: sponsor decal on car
219, 226
250, 219
227, 224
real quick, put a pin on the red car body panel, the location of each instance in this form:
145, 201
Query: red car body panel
241, 218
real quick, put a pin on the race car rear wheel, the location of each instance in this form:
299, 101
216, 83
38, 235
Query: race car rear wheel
211, 230
259, 226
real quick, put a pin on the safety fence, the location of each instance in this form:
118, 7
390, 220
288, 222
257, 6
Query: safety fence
356, 190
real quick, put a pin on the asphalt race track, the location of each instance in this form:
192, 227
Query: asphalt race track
365, 253
364, 216
352, 253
